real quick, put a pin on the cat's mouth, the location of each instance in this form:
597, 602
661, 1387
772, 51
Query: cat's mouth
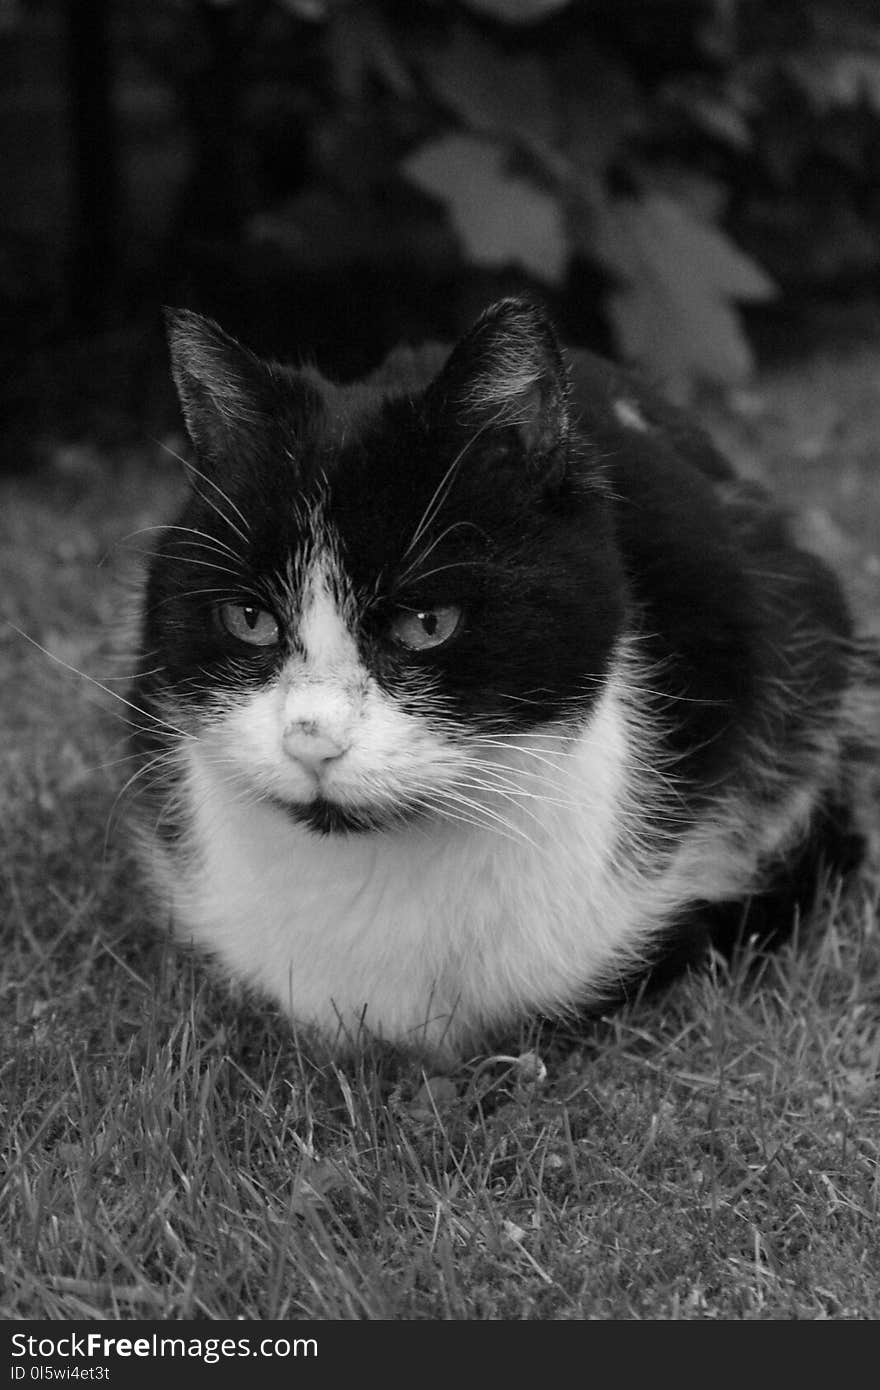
326, 817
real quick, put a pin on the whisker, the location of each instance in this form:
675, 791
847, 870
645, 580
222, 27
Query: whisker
486, 813
192, 593
152, 768
434, 805
441, 492
420, 559
191, 468
515, 794
190, 560
213, 542
144, 713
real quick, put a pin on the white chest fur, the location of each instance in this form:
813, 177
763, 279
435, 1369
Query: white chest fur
433, 931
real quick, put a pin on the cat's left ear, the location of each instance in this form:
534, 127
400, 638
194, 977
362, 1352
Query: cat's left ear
508, 372
221, 385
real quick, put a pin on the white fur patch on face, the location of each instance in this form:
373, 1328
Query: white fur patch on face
323, 688
629, 415
323, 632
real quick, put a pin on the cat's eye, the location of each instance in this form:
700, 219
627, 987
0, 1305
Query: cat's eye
249, 623
420, 629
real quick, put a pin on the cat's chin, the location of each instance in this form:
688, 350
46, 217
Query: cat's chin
325, 817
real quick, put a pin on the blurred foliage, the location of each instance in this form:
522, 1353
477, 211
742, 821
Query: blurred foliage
666, 162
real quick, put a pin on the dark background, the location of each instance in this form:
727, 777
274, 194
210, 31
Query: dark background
251, 159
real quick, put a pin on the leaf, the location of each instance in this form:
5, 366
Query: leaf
500, 218
842, 78
680, 279
492, 92
518, 11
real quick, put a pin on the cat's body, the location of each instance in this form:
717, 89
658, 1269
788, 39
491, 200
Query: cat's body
473, 690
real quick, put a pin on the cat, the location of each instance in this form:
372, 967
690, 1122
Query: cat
479, 690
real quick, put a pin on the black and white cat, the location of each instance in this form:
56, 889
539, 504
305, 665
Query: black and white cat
477, 689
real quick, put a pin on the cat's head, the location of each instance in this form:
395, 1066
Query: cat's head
375, 592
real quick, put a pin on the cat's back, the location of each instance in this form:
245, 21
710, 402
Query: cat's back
748, 630
613, 404
684, 515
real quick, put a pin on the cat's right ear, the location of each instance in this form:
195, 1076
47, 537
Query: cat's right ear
219, 383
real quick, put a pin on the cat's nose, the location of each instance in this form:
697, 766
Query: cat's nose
309, 744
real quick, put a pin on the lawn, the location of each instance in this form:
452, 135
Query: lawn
170, 1150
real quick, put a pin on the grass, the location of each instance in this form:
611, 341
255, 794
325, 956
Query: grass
171, 1150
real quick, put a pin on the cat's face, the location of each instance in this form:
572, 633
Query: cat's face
372, 596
